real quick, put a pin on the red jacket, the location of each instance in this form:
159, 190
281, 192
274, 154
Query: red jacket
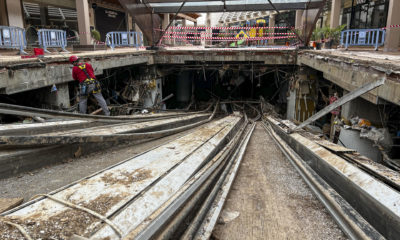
79, 74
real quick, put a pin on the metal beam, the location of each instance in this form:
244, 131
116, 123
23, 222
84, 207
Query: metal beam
180, 1
36, 112
346, 98
286, 21
171, 21
161, 8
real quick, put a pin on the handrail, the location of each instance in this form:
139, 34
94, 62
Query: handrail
13, 38
363, 37
124, 39
52, 38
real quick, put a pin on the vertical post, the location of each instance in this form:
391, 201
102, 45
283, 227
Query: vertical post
184, 30
393, 34
195, 25
14, 11
136, 41
82, 9
208, 30
335, 13
271, 30
352, 15
129, 23
164, 25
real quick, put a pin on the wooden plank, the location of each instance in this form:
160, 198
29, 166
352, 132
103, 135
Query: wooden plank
8, 203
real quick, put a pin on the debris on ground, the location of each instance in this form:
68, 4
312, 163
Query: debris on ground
228, 216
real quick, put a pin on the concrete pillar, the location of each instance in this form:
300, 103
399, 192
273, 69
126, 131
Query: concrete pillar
14, 12
164, 26
335, 13
393, 34
272, 30
165, 21
299, 19
60, 97
184, 24
82, 10
208, 31
129, 22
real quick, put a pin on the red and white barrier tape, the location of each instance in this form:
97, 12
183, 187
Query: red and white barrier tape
255, 48
222, 28
204, 33
226, 38
391, 26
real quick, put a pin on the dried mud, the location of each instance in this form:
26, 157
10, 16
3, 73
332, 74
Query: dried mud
62, 225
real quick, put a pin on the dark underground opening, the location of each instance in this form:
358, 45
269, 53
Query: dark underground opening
235, 83
130, 90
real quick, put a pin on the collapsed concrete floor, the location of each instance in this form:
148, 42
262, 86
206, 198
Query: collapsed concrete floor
272, 200
272, 196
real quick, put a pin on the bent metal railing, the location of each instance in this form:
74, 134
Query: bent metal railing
363, 37
124, 39
52, 38
13, 38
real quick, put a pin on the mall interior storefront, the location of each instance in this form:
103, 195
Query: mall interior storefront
364, 14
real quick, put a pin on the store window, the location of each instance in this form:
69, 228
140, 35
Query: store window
362, 14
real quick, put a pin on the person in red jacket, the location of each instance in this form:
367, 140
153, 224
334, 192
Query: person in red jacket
88, 84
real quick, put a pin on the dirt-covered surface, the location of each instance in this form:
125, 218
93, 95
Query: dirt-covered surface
272, 200
53, 177
62, 225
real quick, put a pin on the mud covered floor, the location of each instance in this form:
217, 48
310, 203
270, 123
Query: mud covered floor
272, 200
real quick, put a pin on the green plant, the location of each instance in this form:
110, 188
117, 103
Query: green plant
336, 32
95, 35
317, 34
326, 33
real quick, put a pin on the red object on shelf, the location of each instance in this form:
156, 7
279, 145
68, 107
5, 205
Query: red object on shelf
38, 51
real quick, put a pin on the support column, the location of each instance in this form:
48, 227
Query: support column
299, 19
271, 24
164, 26
14, 11
129, 24
335, 13
393, 34
208, 31
184, 30
82, 10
